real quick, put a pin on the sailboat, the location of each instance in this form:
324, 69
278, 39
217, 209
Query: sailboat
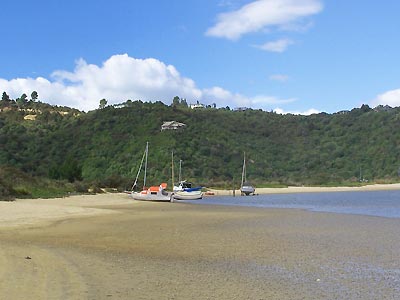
184, 190
153, 193
245, 187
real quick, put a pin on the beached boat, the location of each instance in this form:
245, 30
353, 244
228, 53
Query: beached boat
153, 193
184, 190
245, 187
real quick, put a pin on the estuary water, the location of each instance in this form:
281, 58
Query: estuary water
371, 203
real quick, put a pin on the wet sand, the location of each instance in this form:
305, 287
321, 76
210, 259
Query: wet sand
112, 247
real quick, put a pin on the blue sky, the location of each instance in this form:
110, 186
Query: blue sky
290, 56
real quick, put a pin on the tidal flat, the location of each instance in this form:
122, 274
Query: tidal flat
112, 247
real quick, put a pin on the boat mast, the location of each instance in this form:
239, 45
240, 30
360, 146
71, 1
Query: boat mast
172, 168
244, 169
180, 170
140, 168
145, 165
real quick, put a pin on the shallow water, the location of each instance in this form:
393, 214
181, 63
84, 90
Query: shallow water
371, 203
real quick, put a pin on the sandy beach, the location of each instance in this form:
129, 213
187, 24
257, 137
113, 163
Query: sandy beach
111, 247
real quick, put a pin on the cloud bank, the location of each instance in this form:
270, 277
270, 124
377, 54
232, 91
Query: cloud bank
122, 77
264, 15
305, 113
391, 98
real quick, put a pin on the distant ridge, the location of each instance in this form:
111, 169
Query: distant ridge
103, 145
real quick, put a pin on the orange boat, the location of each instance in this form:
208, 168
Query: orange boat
153, 193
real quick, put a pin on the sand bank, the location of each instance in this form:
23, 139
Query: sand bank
34, 211
123, 249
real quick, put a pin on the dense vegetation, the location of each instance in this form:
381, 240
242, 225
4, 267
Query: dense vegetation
104, 147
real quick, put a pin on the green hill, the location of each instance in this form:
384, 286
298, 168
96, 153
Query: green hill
104, 147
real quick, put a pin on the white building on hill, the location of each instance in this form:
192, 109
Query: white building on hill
172, 125
197, 105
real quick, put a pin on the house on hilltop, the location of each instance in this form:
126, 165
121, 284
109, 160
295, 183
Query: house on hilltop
172, 125
241, 108
196, 105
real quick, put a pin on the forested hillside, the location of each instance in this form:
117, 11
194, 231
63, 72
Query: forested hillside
104, 147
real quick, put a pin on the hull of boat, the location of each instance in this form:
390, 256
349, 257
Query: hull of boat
247, 190
166, 197
186, 195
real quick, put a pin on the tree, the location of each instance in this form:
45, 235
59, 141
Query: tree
21, 101
70, 170
175, 101
103, 103
5, 97
34, 96
184, 103
5, 100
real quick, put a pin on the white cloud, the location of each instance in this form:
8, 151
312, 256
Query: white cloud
279, 77
222, 97
276, 46
305, 113
391, 98
263, 15
218, 93
121, 78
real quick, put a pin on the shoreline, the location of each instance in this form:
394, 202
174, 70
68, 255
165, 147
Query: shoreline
41, 212
307, 189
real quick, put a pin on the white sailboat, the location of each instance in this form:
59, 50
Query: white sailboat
184, 190
245, 187
153, 193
